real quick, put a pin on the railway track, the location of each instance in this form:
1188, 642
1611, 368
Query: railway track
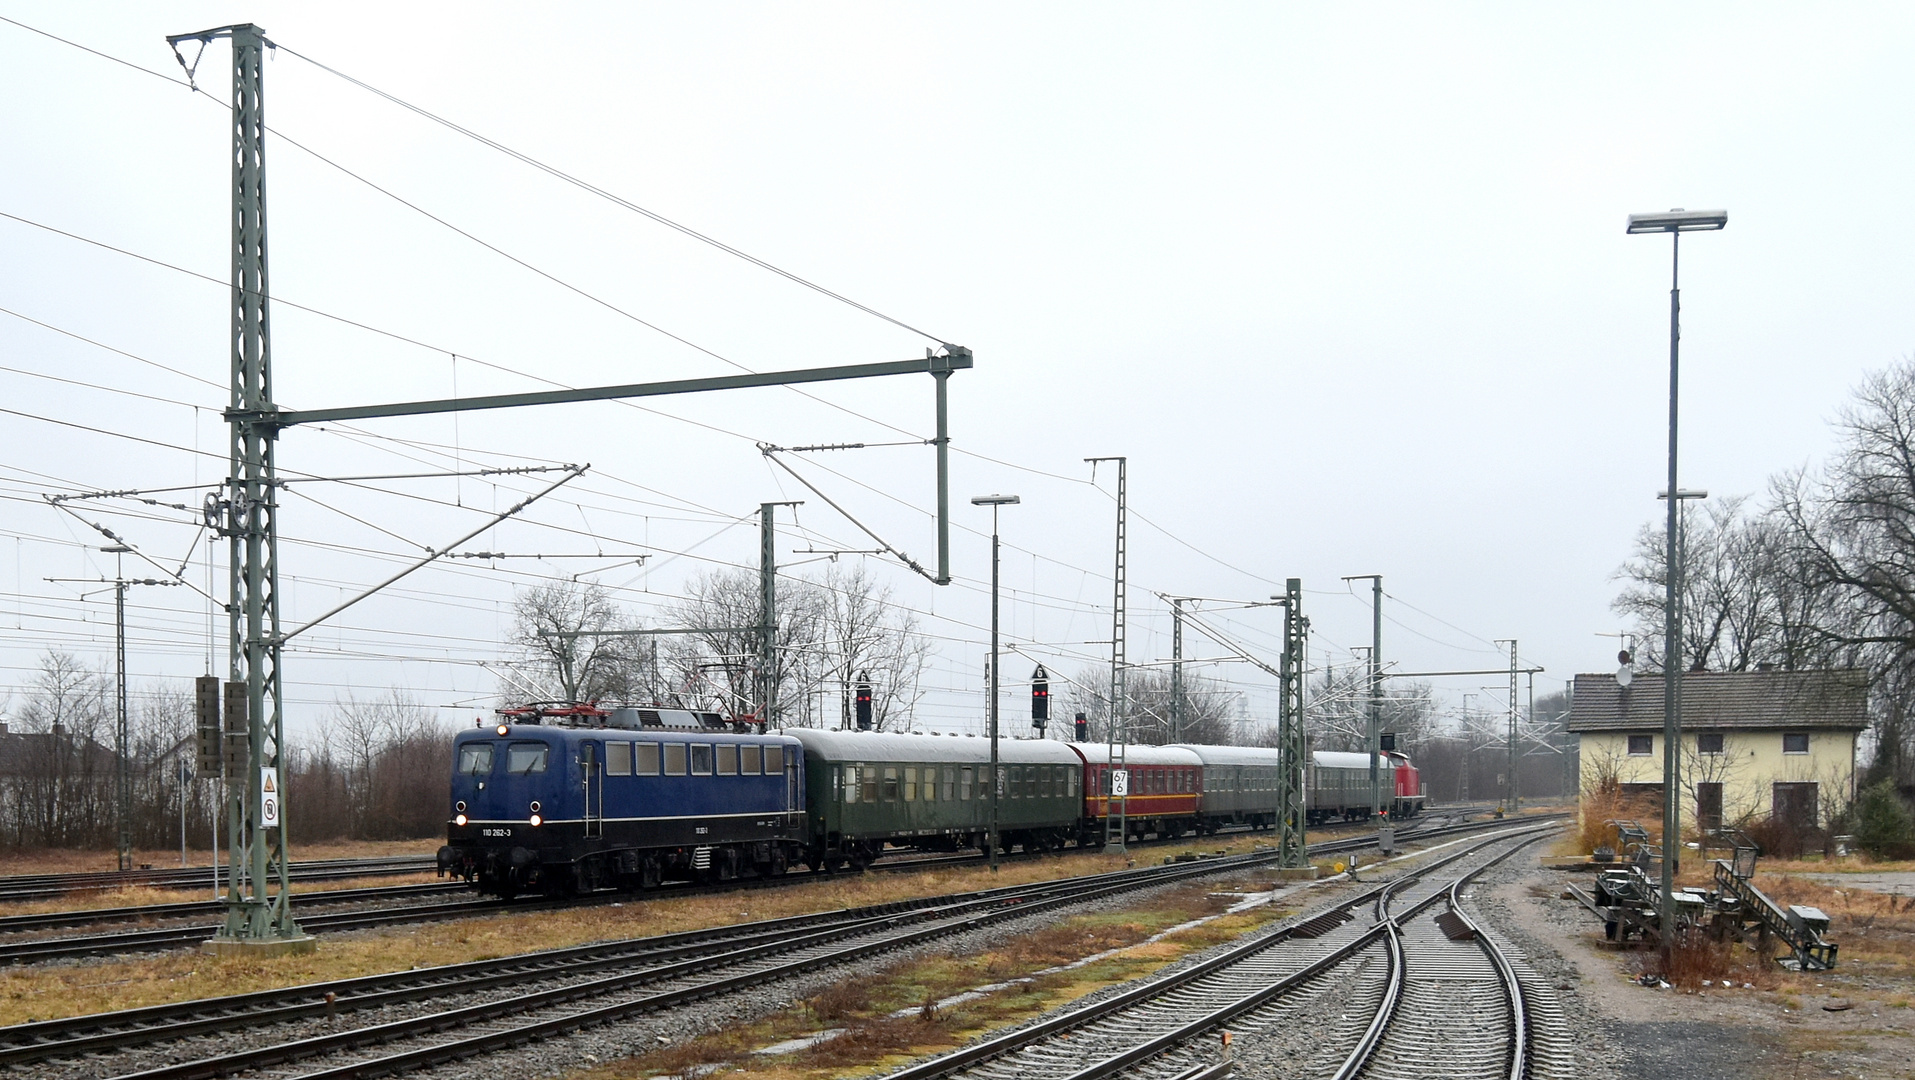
19, 887
147, 940
541, 994
1433, 1019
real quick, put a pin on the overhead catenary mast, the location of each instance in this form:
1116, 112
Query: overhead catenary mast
1117, 825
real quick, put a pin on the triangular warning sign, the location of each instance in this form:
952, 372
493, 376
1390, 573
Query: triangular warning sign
268, 786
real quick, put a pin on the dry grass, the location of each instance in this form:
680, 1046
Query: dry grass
48, 992
892, 1013
143, 896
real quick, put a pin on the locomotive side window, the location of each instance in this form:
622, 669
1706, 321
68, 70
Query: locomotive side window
526, 757
618, 759
748, 759
701, 759
475, 759
774, 760
964, 783
675, 759
647, 759
728, 759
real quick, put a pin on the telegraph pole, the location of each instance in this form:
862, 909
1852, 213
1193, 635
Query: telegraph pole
1176, 669
1374, 736
1291, 744
768, 612
1117, 826
1509, 789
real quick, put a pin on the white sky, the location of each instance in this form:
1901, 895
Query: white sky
1349, 286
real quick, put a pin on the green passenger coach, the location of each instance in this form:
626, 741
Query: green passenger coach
866, 790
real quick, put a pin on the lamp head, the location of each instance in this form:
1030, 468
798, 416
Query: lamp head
1678, 220
994, 500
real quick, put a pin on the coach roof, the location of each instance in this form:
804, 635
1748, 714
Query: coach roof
1233, 755
1099, 754
905, 746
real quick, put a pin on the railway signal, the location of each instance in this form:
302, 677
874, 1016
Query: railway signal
1040, 698
1083, 728
864, 702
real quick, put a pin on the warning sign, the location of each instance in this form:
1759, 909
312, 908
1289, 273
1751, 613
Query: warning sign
269, 798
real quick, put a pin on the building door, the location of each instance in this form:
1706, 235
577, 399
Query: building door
1796, 805
1709, 807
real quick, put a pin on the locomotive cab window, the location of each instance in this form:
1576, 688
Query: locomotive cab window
749, 758
728, 759
647, 759
675, 759
475, 759
618, 759
701, 759
526, 757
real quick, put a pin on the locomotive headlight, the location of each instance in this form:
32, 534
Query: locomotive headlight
460, 820
537, 821
503, 728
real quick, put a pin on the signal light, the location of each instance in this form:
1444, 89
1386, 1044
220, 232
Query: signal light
1040, 698
1083, 728
1387, 741
864, 702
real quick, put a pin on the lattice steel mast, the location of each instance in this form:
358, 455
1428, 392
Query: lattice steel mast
1292, 746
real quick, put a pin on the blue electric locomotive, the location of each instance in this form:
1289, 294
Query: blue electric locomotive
574, 799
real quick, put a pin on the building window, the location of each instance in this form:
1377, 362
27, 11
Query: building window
1796, 805
1709, 744
1642, 745
1795, 742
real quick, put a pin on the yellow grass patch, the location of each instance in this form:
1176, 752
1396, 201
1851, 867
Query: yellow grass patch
866, 1009
88, 861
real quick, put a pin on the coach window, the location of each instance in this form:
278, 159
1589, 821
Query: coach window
774, 761
950, 784
964, 783
850, 773
475, 759
675, 759
728, 759
930, 789
749, 758
890, 784
911, 785
618, 759
526, 757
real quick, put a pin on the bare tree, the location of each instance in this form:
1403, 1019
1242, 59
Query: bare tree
1212, 712
865, 636
1337, 714
559, 653
717, 667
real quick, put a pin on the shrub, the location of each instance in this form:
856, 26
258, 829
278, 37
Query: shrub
1883, 825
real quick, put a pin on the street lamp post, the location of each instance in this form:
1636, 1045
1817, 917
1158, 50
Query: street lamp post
1674, 223
994, 501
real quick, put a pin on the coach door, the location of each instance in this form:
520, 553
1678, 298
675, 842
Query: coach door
594, 780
